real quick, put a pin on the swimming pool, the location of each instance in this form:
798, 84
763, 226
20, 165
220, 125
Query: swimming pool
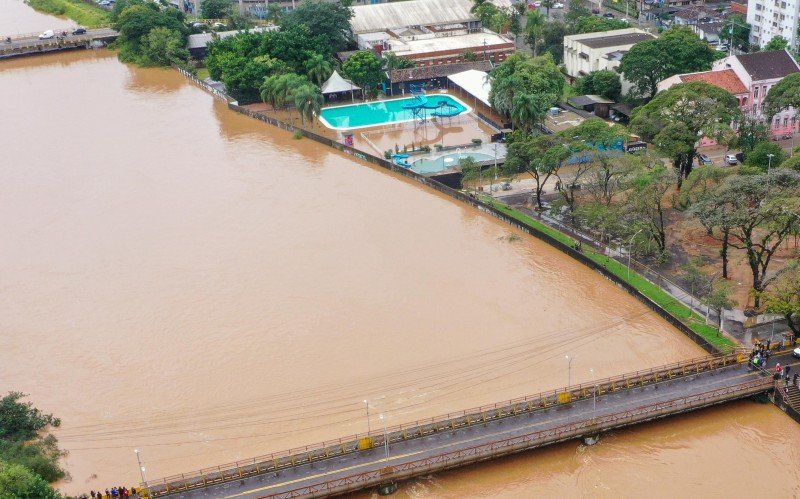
445, 162
381, 112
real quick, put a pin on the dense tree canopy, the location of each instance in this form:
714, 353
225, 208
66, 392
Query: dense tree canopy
536, 77
365, 69
327, 22
27, 459
759, 157
603, 82
215, 9
776, 43
739, 34
677, 51
677, 118
783, 95
137, 20
594, 24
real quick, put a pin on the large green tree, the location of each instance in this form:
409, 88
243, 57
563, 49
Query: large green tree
330, 21
539, 156
603, 82
784, 297
522, 74
318, 68
783, 95
18, 482
677, 118
736, 31
594, 24
163, 47
308, 100
677, 51
365, 69
760, 158
215, 9
776, 43
750, 131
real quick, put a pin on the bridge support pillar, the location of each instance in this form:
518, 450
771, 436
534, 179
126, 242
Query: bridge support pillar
386, 489
591, 439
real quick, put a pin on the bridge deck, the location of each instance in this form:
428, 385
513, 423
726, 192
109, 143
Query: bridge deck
29, 44
445, 448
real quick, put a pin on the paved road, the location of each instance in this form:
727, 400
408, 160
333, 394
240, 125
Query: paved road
439, 443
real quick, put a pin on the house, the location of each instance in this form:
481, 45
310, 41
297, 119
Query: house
770, 18
589, 52
695, 15
709, 31
738, 8
759, 72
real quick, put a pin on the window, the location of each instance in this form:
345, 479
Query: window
755, 108
755, 93
776, 123
759, 7
783, 5
785, 121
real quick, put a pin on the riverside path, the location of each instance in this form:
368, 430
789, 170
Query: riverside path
31, 44
581, 411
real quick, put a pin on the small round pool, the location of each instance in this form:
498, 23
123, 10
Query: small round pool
445, 162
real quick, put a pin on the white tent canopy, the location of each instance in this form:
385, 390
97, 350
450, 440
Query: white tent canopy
473, 82
336, 84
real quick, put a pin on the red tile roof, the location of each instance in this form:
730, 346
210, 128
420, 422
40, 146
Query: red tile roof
738, 8
726, 79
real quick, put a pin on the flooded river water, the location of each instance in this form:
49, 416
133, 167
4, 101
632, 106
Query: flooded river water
180, 279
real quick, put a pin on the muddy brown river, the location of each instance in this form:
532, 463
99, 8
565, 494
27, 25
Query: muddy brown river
182, 280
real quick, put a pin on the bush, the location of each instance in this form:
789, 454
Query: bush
438, 147
82, 13
477, 142
425, 148
388, 154
297, 135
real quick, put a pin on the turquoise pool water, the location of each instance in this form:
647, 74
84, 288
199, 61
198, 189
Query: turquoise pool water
380, 112
445, 162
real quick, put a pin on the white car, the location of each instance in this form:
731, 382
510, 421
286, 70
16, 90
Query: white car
730, 159
558, 5
47, 35
796, 352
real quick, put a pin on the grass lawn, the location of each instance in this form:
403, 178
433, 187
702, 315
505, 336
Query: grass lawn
677, 309
202, 73
82, 13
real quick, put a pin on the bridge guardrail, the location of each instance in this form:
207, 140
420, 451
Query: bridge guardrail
518, 443
451, 421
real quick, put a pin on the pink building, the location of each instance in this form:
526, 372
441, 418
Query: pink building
759, 72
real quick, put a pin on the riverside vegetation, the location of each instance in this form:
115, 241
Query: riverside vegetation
90, 16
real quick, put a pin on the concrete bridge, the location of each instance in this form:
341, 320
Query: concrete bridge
380, 459
30, 44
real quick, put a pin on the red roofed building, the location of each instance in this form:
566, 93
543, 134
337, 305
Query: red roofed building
738, 8
726, 79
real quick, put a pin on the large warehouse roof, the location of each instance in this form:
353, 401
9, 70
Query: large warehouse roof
382, 16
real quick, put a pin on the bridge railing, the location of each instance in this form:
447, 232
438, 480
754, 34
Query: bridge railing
522, 442
450, 421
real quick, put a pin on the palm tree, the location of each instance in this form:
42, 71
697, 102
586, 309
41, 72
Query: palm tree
318, 69
308, 100
526, 110
268, 90
534, 22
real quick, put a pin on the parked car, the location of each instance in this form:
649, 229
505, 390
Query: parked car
506, 186
608, 15
796, 352
47, 35
79, 31
558, 5
219, 25
703, 159
104, 3
722, 48
596, 12
740, 156
730, 159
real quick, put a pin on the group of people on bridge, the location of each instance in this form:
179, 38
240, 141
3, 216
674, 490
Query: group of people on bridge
760, 354
113, 493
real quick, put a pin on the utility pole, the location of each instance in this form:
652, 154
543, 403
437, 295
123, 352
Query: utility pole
141, 468
369, 430
385, 437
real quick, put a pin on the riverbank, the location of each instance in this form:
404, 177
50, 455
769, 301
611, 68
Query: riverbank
681, 316
82, 13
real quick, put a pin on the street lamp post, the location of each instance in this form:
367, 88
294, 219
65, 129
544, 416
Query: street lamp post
630, 248
366, 404
385, 437
569, 370
594, 392
141, 468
